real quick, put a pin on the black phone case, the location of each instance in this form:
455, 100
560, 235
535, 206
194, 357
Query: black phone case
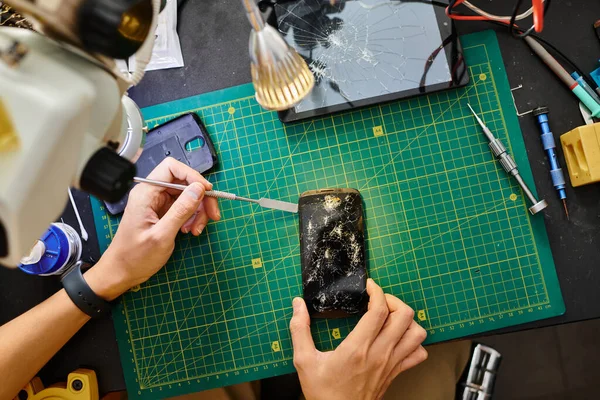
169, 140
332, 242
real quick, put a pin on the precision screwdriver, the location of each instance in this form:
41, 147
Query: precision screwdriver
509, 165
556, 172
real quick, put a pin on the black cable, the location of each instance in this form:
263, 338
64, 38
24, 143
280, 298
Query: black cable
529, 32
450, 6
513, 20
512, 26
264, 4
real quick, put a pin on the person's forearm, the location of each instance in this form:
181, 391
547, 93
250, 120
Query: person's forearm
29, 341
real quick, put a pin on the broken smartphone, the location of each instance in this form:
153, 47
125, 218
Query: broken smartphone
332, 243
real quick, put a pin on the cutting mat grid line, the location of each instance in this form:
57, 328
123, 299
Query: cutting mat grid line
447, 231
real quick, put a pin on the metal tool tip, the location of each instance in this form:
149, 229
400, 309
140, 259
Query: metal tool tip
566, 209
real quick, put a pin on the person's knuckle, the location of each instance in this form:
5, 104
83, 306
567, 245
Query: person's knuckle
421, 334
300, 360
155, 239
169, 161
360, 355
379, 361
423, 354
408, 312
135, 191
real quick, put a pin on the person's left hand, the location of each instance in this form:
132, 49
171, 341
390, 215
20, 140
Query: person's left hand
146, 236
385, 342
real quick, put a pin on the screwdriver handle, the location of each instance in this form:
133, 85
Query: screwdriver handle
220, 195
210, 193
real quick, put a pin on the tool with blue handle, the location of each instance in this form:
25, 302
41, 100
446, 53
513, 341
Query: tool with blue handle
556, 172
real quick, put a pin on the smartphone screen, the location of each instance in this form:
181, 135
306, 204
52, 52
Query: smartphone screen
334, 273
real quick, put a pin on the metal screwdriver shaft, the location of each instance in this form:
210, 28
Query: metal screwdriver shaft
556, 172
509, 165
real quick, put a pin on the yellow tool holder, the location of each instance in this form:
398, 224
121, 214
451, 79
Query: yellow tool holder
581, 147
81, 384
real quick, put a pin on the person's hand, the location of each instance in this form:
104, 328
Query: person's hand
385, 342
146, 236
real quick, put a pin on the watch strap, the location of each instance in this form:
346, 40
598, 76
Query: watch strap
82, 295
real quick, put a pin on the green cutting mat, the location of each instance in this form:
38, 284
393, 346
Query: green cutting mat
448, 232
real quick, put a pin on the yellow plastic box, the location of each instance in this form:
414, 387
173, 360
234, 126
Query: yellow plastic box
581, 147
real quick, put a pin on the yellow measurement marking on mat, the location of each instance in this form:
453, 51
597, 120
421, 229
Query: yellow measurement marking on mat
136, 288
482, 77
421, 315
256, 263
513, 197
231, 110
378, 130
275, 346
336, 333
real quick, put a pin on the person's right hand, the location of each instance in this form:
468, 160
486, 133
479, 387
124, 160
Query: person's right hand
146, 235
385, 342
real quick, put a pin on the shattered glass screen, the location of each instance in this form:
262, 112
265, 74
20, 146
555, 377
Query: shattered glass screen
332, 245
363, 49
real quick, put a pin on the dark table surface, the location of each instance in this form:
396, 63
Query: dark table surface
214, 41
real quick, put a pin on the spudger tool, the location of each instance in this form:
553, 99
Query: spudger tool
266, 203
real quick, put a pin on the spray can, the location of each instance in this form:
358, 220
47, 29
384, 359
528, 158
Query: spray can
57, 250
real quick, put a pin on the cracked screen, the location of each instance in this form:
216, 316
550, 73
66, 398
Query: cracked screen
334, 274
364, 49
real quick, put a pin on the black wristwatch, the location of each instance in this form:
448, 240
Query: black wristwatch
82, 295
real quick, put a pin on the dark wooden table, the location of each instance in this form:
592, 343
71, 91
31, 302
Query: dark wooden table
214, 40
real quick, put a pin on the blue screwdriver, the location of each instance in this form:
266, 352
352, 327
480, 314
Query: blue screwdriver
556, 173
